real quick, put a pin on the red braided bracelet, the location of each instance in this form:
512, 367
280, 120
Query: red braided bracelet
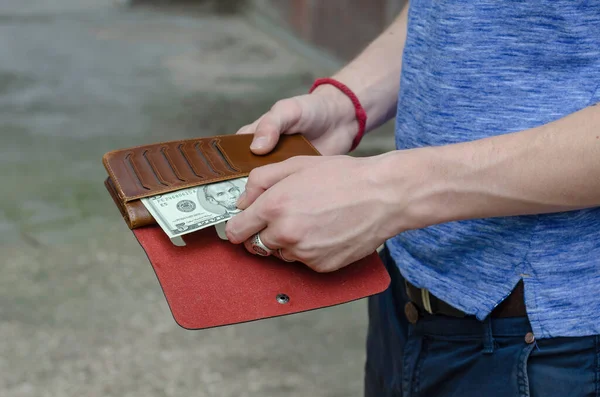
361, 115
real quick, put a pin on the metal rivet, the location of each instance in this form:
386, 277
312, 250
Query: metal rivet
529, 338
283, 298
411, 312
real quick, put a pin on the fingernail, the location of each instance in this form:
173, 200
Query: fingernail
258, 142
241, 199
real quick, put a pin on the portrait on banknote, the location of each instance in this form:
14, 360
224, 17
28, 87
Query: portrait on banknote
221, 197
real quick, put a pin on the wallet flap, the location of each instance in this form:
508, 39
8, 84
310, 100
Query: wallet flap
148, 170
211, 282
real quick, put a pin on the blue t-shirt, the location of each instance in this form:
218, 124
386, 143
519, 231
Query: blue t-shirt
474, 69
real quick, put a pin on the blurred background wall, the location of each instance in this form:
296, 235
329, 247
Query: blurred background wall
341, 27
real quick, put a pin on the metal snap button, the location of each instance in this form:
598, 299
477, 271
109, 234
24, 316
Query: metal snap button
283, 298
529, 338
411, 312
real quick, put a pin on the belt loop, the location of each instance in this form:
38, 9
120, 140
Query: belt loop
488, 337
426, 300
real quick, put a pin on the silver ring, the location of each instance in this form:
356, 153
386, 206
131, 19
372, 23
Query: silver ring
255, 244
279, 254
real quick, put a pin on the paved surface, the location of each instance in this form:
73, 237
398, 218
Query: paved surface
81, 313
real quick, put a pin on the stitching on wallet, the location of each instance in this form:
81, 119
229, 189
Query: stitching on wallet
208, 163
136, 173
131, 218
216, 144
187, 161
112, 177
167, 158
155, 172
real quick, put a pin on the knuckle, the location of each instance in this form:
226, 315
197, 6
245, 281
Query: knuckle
289, 108
317, 260
255, 179
273, 208
324, 266
320, 268
232, 236
253, 176
315, 264
307, 257
293, 160
287, 237
301, 160
280, 105
279, 205
244, 130
289, 233
267, 124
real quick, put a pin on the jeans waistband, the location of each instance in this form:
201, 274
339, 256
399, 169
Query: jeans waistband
451, 326
470, 326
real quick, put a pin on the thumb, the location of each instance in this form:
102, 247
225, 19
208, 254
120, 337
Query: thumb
283, 115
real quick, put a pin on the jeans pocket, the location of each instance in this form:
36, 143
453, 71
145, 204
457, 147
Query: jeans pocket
565, 366
459, 366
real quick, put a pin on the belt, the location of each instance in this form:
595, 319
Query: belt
422, 302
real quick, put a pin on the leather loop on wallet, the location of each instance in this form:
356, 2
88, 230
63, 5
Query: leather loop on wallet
149, 170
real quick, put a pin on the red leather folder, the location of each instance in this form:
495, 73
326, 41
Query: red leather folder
211, 282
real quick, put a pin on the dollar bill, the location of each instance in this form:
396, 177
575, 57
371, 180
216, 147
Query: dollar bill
188, 210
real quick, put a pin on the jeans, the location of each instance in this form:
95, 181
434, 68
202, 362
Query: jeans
443, 356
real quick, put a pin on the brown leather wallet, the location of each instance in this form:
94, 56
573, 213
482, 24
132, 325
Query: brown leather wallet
210, 282
149, 170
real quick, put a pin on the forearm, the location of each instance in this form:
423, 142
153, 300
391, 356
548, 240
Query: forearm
551, 168
374, 75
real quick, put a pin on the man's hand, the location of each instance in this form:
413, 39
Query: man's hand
326, 212
325, 117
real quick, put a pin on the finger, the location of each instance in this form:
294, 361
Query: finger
275, 122
269, 239
268, 244
284, 254
262, 178
256, 246
249, 128
245, 224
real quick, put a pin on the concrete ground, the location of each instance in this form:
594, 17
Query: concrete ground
81, 312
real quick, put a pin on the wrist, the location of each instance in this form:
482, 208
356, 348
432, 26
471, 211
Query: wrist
415, 186
338, 105
344, 100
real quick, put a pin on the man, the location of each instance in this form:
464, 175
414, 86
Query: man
494, 190
223, 194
